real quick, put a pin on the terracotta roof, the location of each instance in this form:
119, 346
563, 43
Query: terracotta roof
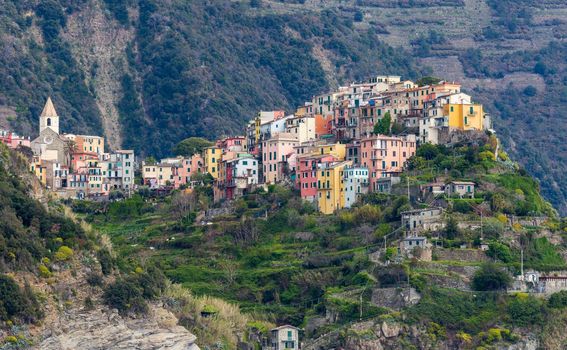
49, 109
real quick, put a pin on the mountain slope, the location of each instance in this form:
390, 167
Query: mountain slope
148, 75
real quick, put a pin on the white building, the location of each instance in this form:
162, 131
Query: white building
355, 181
245, 168
284, 337
428, 219
118, 170
303, 128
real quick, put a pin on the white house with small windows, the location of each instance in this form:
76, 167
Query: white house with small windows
460, 188
355, 183
284, 337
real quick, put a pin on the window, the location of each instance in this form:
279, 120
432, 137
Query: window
48, 121
452, 109
466, 121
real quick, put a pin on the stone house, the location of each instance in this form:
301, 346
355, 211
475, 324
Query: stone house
462, 189
419, 220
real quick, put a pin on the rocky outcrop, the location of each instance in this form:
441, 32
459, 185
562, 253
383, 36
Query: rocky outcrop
395, 298
106, 329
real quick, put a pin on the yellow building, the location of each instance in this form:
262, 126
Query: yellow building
338, 150
39, 170
330, 187
95, 176
464, 116
213, 156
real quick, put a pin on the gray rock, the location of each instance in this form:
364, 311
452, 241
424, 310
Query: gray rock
390, 329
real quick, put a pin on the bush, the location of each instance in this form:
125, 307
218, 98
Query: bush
44, 271
64, 253
125, 296
491, 278
525, 311
500, 251
558, 300
94, 279
16, 302
106, 262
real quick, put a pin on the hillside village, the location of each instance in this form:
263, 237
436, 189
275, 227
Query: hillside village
410, 184
73, 166
338, 146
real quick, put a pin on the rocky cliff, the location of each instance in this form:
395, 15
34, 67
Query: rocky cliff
106, 329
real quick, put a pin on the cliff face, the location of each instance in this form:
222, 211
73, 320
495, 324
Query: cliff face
106, 329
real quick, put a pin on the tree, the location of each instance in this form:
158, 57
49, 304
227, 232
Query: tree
427, 81
451, 228
491, 278
151, 161
191, 146
382, 127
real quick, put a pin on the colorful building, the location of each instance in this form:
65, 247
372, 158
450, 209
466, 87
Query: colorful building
275, 153
469, 116
385, 156
13, 140
330, 186
355, 183
213, 156
307, 166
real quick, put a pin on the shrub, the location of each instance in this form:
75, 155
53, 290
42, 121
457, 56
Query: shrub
105, 260
94, 279
64, 253
16, 302
523, 312
44, 271
491, 278
125, 296
558, 300
500, 251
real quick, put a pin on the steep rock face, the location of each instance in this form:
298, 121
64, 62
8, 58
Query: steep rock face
99, 44
106, 329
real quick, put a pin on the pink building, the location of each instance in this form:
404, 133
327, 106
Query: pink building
232, 144
307, 174
186, 169
385, 155
13, 140
275, 154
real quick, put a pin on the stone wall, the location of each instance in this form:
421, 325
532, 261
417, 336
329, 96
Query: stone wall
468, 255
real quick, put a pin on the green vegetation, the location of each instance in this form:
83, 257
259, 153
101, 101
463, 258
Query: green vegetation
491, 278
383, 125
295, 264
191, 146
18, 303
129, 294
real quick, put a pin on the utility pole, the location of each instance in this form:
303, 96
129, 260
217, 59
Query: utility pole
360, 317
481, 229
522, 262
409, 198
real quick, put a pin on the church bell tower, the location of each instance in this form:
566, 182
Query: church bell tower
49, 117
